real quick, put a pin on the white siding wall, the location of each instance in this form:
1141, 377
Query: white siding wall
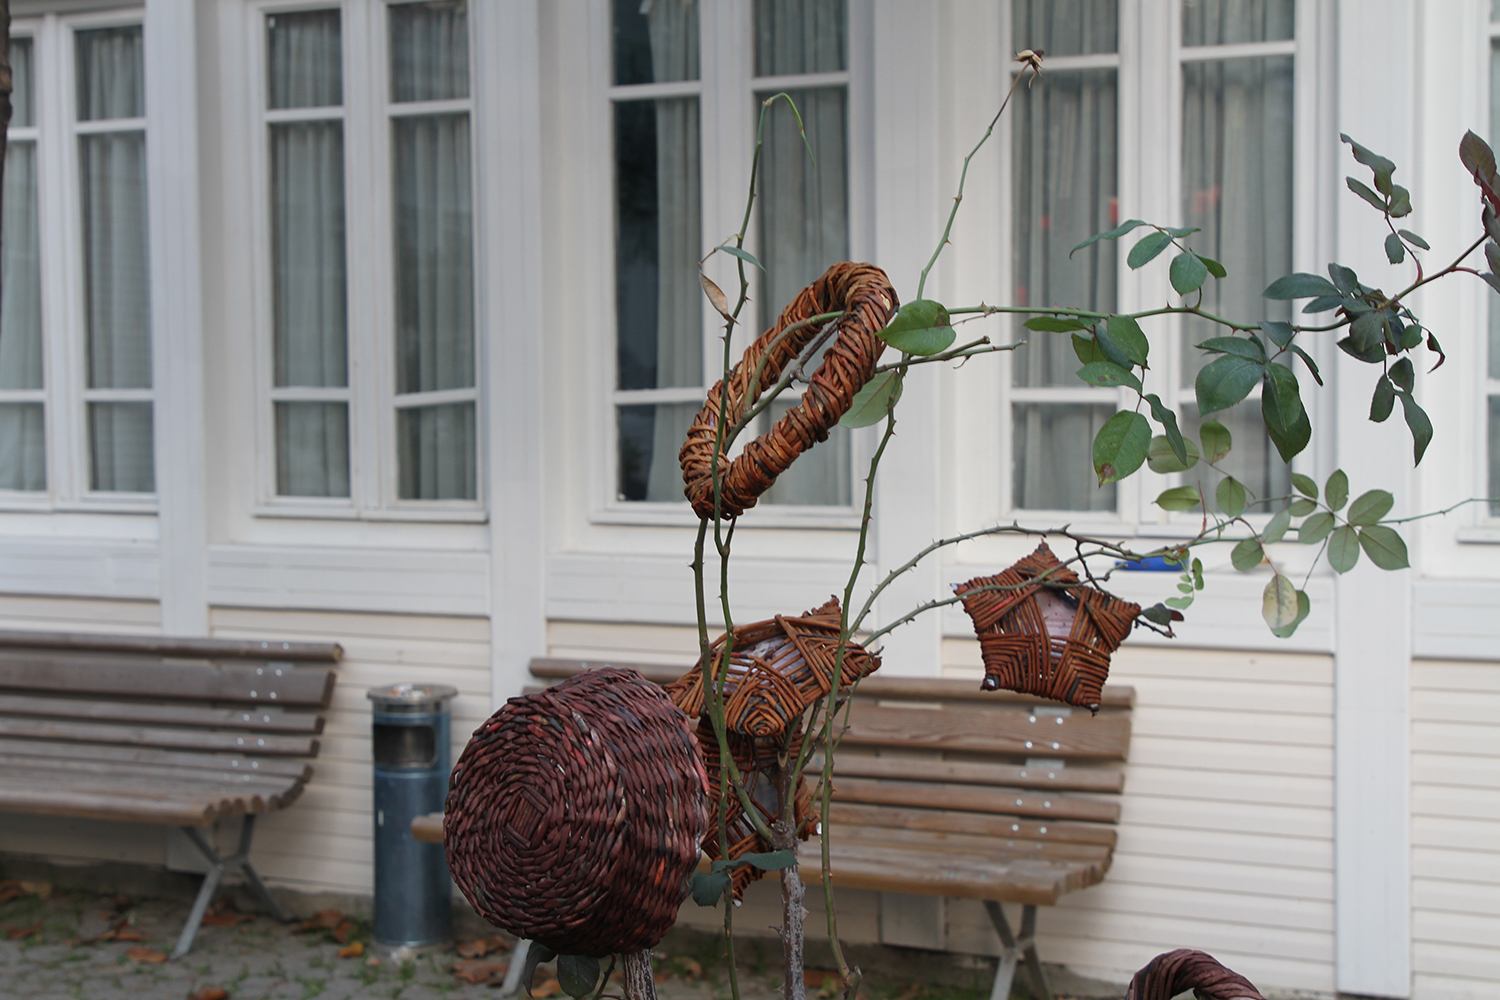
1455, 830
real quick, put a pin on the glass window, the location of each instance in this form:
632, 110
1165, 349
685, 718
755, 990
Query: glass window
23, 458
1492, 383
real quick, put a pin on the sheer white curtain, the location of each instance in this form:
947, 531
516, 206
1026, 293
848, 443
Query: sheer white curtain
23, 460
309, 326
117, 307
1494, 306
1064, 170
434, 252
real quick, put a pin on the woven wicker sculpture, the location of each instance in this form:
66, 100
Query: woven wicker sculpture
1174, 972
776, 670
1044, 632
865, 296
574, 815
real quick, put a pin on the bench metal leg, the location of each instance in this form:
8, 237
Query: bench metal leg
1014, 949
517, 963
217, 867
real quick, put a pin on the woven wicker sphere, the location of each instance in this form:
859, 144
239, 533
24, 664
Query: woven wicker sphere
574, 815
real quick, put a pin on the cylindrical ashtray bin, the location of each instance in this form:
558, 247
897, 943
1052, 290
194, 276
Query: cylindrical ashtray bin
413, 894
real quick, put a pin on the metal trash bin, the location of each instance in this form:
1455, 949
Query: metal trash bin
413, 893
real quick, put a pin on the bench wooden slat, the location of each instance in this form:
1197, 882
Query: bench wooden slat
265, 685
890, 869
1072, 779
980, 824
970, 799
149, 775
178, 739
995, 730
946, 841
258, 719
114, 805
230, 763
186, 648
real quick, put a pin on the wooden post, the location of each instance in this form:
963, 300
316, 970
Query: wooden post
640, 983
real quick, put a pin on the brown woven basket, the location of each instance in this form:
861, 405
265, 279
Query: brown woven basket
574, 815
1047, 633
1174, 972
865, 295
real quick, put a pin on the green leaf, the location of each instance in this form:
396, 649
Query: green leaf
1113, 234
1383, 399
920, 328
1281, 384
1289, 438
535, 955
1157, 613
708, 887
1476, 156
1315, 528
1414, 239
1336, 490
1275, 528
1146, 250
1402, 374
1382, 167
1180, 231
1305, 485
1231, 496
1365, 193
1304, 606
1300, 285
769, 861
1301, 508
1168, 421
1240, 347
1368, 331
1344, 279
1087, 349
1412, 337
1225, 381
744, 255
1214, 267
577, 974
1198, 574
1395, 250
1278, 603
874, 401
1369, 355
1312, 366
1107, 346
1384, 547
1247, 555
1120, 446
1128, 336
1215, 438
1181, 603
1106, 374
1179, 498
1322, 303
1054, 324
1187, 273
1343, 549
1161, 458
1400, 202
1436, 348
1370, 507
1280, 333
1419, 424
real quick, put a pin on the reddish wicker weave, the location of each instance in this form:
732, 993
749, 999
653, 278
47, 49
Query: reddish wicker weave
1174, 972
574, 815
1019, 651
868, 301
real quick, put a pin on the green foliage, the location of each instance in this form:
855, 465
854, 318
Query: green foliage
1161, 457
920, 328
744, 255
1120, 446
876, 399
1188, 272
535, 955
1108, 374
1370, 507
1179, 498
1279, 604
577, 975
1147, 248
1336, 490
1127, 334
1231, 496
1054, 324
1247, 555
1215, 438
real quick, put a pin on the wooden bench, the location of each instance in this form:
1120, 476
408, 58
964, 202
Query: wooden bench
146, 729
941, 789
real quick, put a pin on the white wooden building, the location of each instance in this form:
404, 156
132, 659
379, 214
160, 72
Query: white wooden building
375, 322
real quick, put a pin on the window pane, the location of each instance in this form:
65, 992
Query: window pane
20, 273
1065, 27
22, 75
800, 36
655, 42
111, 73
822, 475
312, 449
116, 278
429, 51
120, 448
659, 338
1494, 137
1065, 158
304, 59
307, 254
1230, 22
434, 254
1053, 460
1253, 459
435, 446
23, 459
650, 438
804, 205
1494, 490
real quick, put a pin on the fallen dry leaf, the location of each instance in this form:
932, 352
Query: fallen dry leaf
128, 934
662, 976
120, 903
9, 889
209, 993
691, 969
343, 932
352, 950
476, 970
372, 961
226, 919
42, 890
323, 920
817, 977
480, 947
17, 933
548, 988
148, 956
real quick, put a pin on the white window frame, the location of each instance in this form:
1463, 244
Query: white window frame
65, 394
1149, 65
367, 113
728, 114
1488, 524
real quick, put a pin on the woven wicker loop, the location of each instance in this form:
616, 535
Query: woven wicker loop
575, 815
1042, 631
865, 295
1174, 972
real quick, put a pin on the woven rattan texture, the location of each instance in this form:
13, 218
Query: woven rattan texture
1019, 652
574, 815
1174, 972
865, 295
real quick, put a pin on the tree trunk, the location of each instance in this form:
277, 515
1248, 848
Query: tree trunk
640, 983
